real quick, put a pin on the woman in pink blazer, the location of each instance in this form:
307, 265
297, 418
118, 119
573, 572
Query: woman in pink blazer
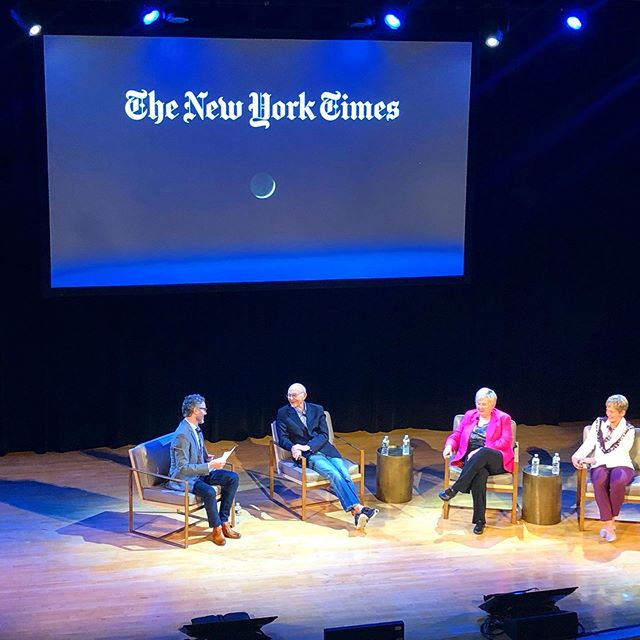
482, 444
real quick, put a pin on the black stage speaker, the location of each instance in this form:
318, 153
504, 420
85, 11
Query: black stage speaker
530, 615
524, 603
376, 631
230, 626
560, 625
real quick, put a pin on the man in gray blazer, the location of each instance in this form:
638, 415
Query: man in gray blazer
190, 461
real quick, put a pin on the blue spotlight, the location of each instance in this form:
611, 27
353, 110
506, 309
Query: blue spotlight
392, 21
574, 22
150, 17
493, 40
35, 30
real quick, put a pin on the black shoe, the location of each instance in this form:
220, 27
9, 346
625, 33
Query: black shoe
447, 494
478, 529
364, 517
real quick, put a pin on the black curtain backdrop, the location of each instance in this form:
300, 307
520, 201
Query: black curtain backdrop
548, 315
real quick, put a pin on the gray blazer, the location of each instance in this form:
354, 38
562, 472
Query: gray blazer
185, 457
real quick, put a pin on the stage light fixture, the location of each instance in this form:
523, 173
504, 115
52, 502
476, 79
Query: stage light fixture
174, 19
153, 15
494, 39
392, 21
150, 17
574, 22
32, 29
363, 23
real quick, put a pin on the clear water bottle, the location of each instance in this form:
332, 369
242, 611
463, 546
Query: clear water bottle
555, 464
535, 465
384, 449
238, 507
406, 445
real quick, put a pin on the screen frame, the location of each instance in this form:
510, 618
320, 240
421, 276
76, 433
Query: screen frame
198, 288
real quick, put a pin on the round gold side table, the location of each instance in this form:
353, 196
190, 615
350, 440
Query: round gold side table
394, 479
541, 496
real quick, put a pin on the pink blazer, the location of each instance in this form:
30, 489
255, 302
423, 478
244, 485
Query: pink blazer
499, 436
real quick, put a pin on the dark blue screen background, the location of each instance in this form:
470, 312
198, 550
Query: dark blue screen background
136, 203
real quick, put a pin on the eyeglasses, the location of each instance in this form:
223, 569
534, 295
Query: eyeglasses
295, 395
202, 408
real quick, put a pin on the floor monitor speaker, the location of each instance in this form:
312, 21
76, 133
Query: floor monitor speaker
376, 631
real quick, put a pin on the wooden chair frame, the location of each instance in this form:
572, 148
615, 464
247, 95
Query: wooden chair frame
583, 494
491, 486
305, 483
185, 509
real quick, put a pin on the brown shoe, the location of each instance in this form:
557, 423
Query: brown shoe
229, 532
217, 537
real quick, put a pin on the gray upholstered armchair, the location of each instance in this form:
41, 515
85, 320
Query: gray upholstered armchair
150, 462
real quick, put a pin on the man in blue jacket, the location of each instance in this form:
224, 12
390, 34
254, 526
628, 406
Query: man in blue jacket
302, 429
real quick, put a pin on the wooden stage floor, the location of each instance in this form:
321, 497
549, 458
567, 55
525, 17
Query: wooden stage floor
71, 570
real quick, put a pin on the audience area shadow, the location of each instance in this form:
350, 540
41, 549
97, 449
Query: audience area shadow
63, 503
108, 455
112, 528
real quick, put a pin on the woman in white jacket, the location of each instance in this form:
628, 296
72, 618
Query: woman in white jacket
607, 449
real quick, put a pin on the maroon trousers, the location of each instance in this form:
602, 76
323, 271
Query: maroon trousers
608, 488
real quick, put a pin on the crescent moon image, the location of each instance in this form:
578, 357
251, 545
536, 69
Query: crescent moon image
262, 186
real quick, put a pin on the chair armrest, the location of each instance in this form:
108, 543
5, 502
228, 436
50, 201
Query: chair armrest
582, 478
335, 435
275, 447
447, 472
158, 475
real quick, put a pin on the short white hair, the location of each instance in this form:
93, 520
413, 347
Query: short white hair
297, 387
485, 392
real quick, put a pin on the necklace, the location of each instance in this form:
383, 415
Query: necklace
604, 440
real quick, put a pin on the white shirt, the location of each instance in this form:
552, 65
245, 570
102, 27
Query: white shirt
302, 414
195, 427
619, 457
201, 446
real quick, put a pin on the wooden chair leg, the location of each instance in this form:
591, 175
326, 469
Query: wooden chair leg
445, 483
186, 520
131, 500
271, 468
362, 476
304, 488
514, 505
582, 489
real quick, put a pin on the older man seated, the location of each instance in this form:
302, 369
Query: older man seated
302, 429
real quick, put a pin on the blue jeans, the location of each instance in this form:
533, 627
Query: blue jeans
204, 487
335, 470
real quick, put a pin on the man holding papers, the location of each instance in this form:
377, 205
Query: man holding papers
190, 461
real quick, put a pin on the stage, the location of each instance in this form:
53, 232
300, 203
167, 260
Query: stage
72, 570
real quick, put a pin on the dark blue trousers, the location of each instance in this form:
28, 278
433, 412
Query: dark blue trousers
204, 487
